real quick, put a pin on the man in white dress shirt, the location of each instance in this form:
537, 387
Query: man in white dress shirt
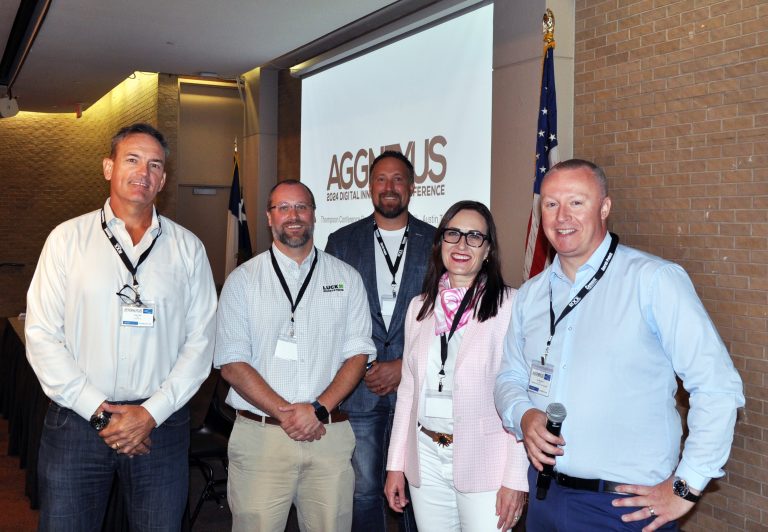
120, 327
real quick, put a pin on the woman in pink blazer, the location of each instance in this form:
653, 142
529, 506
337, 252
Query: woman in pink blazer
464, 471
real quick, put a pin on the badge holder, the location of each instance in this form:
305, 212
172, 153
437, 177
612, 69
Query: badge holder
137, 315
388, 305
438, 404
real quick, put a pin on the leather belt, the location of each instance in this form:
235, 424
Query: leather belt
335, 416
440, 438
587, 484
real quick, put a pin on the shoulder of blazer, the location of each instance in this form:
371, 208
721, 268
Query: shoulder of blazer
352, 234
422, 229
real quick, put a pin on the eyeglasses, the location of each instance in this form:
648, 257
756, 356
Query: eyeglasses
473, 239
130, 296
284, 208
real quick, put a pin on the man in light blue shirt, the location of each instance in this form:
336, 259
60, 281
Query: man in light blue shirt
605, 330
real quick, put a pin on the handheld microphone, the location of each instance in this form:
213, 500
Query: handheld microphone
555, 416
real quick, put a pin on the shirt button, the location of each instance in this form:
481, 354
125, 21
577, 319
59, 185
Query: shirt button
570, 328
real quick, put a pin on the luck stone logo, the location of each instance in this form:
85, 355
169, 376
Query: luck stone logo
338, 287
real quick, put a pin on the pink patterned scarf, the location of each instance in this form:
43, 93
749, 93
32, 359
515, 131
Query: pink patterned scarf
447, 304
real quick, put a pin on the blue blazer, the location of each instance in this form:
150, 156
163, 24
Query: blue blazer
355, 245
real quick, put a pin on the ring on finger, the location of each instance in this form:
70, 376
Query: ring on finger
652, 511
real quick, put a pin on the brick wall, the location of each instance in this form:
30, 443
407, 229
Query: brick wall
671, 98
50, 169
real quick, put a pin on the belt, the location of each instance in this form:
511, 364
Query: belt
587, 484
440, 438
335, 416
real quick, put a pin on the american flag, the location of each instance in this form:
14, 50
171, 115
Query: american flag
536, 245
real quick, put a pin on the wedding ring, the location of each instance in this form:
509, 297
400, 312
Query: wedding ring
652, 511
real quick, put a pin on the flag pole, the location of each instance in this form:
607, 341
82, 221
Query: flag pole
536, 246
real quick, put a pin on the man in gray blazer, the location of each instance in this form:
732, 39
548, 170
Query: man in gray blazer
390, 249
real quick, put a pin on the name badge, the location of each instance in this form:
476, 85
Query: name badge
137, 316
388, 305
287, 348
541, 378
438, 404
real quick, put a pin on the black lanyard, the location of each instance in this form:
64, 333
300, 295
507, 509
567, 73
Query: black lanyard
294, 305
119, 249
396, 266
444, 341
578, 298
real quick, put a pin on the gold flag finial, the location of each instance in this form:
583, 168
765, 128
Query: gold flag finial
548, 26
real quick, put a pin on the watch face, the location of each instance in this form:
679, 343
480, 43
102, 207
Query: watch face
321, 413
100, 421
680, 487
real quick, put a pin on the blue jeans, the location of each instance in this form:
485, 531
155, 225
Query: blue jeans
570, 510
76, 468
372, 431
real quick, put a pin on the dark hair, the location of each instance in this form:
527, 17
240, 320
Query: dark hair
489, 283
135, 129
392, 154
575, 164
290, 182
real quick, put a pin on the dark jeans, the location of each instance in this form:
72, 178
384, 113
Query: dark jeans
372, 431
570, 510
76, 469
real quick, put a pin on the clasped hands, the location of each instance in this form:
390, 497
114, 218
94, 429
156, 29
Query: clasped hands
128, 429
384, 377
300, 423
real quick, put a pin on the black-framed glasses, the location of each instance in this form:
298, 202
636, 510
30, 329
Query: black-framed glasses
474, 239
130, 296
284, 208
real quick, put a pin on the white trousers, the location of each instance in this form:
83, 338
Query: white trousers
437, 504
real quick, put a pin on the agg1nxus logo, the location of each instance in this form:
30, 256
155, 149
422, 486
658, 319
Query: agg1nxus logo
349, 172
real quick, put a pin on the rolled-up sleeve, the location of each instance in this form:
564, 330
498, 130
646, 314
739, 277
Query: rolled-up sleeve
359, 329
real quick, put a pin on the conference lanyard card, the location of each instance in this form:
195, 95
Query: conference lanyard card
388, 305
541, 378
137, 316
287, 348
438, 404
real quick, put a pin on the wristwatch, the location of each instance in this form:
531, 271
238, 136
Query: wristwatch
320, 411
681, 489
100, 421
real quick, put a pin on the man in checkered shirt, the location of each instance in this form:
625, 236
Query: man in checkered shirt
293, 340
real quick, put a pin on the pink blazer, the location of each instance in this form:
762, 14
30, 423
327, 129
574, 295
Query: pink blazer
485, 456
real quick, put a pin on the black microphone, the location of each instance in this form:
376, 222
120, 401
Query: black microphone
555, 416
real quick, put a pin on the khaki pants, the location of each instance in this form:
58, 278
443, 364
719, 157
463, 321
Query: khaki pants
268, 471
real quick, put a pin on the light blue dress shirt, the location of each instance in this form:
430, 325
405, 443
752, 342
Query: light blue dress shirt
615, 358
